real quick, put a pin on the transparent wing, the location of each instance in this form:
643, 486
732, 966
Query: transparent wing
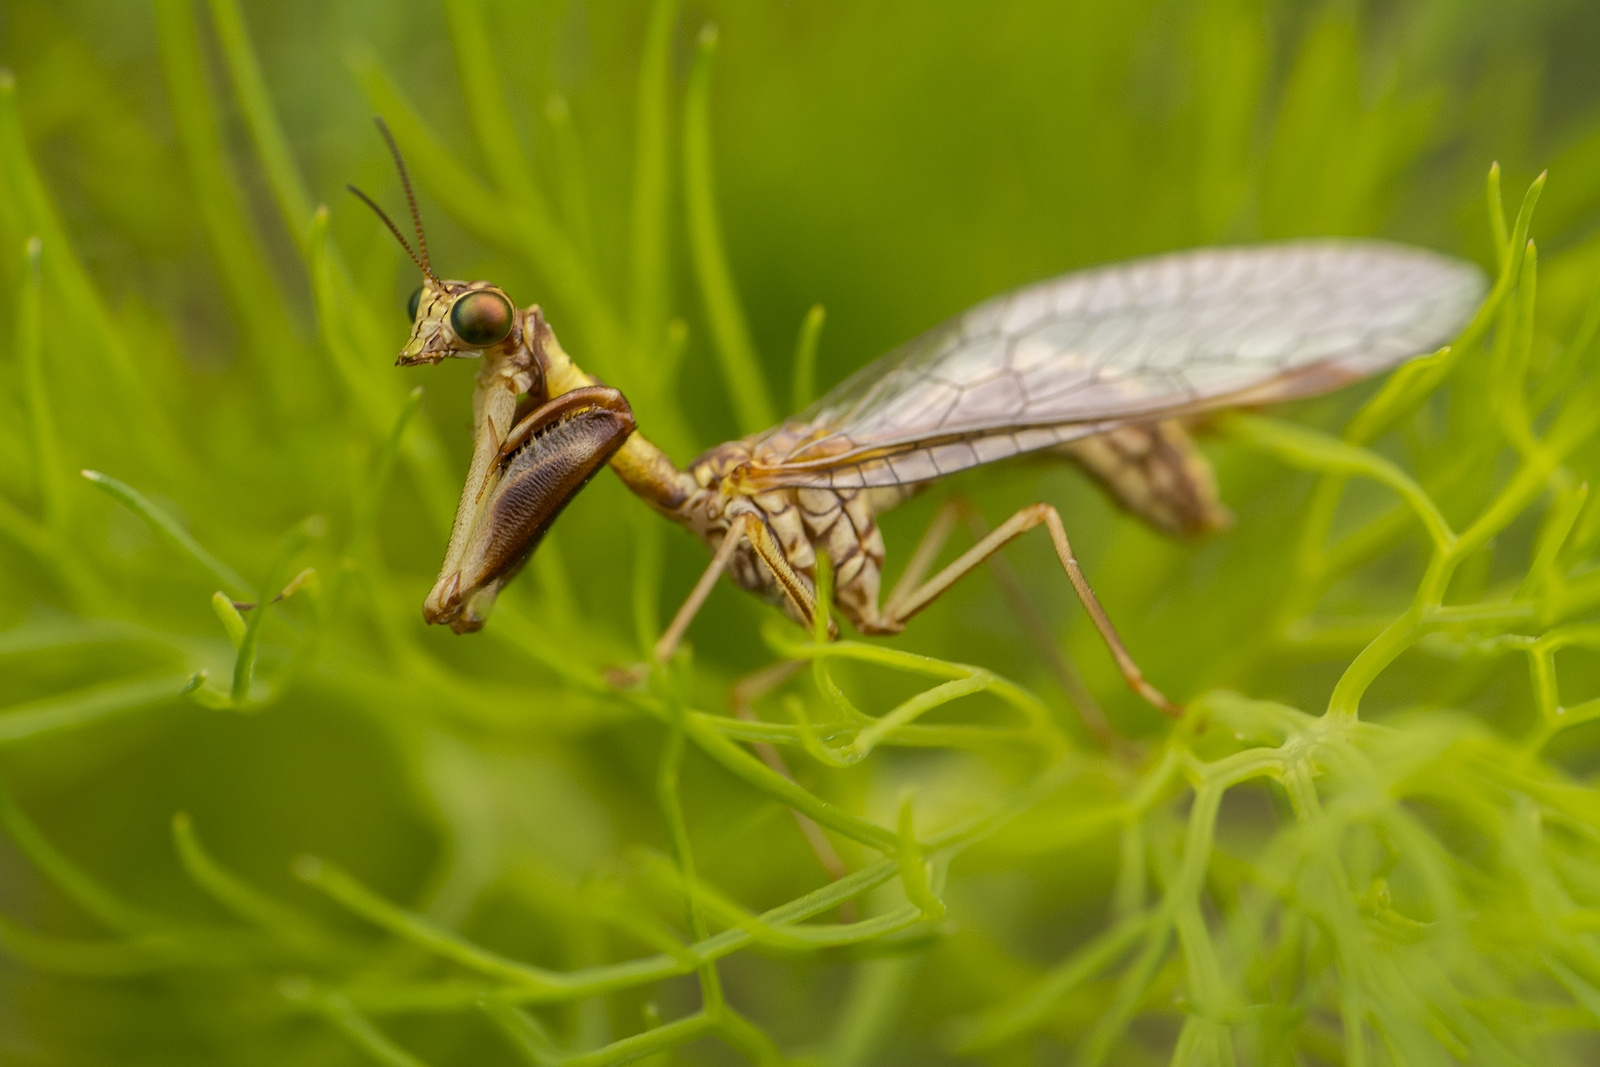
1152, 338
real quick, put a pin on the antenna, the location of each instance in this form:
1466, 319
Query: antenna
421, 260
411, 198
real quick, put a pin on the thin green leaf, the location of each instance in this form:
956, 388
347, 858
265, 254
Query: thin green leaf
804, 389
572, 178
171, 531
148, 424
366, 1036
367, 904
252, 290
99, 902
283, 175
244, 664
248, 903
22, 722
50, 474
486, 109
648, 266
736, 354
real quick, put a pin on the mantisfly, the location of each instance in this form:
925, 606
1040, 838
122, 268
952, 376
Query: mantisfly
1103, 366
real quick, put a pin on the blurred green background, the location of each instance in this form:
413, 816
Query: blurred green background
204, 340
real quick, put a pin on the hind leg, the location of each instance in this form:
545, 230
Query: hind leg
903, 603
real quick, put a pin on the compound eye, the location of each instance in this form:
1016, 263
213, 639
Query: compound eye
481, 318
413, 304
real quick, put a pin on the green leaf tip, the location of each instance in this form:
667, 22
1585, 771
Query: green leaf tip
231, 620
804, 388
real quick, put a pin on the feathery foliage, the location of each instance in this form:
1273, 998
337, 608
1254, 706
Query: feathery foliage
253, 811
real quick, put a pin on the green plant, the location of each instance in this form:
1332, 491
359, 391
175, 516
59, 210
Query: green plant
307, 830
